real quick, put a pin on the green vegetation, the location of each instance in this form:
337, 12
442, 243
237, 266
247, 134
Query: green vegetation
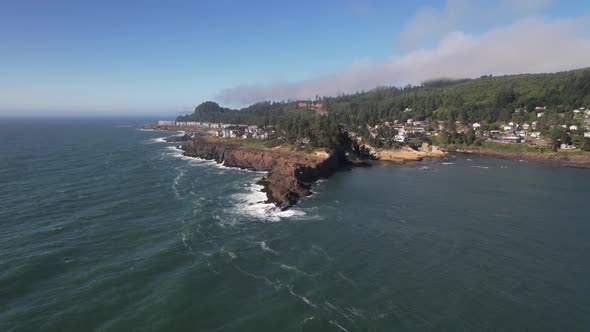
487, 100
516, 147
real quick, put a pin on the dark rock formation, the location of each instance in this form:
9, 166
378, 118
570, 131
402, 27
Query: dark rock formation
178, 138
290, 174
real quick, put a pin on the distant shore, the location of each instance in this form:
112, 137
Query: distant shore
566, 159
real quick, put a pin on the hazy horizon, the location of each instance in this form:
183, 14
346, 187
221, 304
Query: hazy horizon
161, 60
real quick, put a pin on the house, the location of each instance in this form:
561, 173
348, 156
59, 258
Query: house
400, 138
534, 124
507, 128
535, 134
511, 139
577, 111
518, 110
476, 125
407, 110
587, 134
573, 127
539, 108
525, 126
410, 121
494, 133
540, 114
567, 147
226, 133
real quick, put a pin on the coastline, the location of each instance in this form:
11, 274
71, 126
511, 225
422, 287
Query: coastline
555, 159
290, 175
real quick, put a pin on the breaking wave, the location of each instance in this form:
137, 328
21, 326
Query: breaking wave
253, 204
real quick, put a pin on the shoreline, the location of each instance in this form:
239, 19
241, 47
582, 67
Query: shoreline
289, 175
554, 159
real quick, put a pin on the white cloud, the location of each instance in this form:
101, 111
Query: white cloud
528, 46
430, 24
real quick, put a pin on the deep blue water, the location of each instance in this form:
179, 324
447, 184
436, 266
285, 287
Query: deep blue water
103, 227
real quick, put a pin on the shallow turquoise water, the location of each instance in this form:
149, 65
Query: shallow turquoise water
103, 227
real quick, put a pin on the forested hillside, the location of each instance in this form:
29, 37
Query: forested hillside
486, 99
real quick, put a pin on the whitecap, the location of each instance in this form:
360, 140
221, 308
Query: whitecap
448, 163
338, 326
308, 319
296, 270
177, 153
175, 183
253, 204
156, 140
265, 247
482, 167
303, 298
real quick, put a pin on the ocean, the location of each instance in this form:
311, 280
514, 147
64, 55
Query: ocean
105, 227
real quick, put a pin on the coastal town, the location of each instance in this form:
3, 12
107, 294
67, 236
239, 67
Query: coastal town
224, 130
397, 133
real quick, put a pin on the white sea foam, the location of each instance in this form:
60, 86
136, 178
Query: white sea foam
308, 319
265, 247
303, 298
176, 153
338, 325
296, 270
175, 183
483, 167
253, 204
448, 163
144, 129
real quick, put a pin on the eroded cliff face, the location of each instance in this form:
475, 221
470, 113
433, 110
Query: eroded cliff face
290, 174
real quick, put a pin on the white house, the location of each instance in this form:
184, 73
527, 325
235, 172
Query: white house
536, 134
587, 134
567, 147
400, 138
476, 125
525, 126
573, 127
410, 121
577, 111
540, 114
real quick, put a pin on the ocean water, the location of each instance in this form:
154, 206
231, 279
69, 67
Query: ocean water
104, 227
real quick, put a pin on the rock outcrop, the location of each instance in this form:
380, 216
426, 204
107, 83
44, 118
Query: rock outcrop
290, 174
406, 153
177, 138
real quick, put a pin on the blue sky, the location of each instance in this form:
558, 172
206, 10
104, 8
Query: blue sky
164, 57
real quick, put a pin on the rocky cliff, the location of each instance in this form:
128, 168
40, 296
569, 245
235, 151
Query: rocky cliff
290, 174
